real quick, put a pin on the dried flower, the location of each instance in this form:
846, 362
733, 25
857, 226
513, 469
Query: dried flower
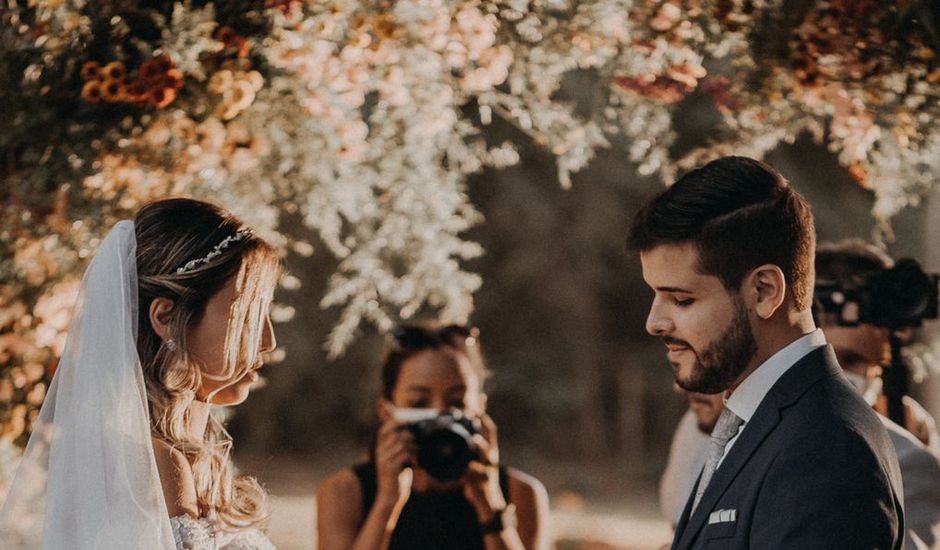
173, 79
666, 18
91, 92
113, 91
91, 70
232, 40
161, 97
114, 71
155, 69
286, 7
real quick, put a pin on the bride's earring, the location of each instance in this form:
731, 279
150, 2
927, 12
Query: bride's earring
170, 344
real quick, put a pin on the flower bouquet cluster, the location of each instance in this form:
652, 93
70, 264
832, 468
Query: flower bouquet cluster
861, 76
364, 118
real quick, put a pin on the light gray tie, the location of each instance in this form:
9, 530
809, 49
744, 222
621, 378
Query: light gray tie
725, 429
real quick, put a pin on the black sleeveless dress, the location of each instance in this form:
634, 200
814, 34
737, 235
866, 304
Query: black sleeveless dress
432, 521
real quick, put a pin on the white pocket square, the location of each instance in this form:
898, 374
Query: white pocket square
722, 516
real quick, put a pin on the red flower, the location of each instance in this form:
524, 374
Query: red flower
91, 70
719, 88
663, 88
231, 39
154, 69
136, 92
286, 6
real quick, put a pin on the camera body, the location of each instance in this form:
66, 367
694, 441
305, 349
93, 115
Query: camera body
444, 440
895, 298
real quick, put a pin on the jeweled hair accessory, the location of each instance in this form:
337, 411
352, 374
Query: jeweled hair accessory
215, 252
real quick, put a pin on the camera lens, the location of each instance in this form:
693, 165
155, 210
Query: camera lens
445, 455
445, 447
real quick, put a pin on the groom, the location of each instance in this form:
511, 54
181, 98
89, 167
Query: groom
797, 460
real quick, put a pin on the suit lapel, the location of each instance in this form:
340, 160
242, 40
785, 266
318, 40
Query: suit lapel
785, 391
684, 518
755, 431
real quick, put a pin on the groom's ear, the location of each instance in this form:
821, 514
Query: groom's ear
765, 290
160, 309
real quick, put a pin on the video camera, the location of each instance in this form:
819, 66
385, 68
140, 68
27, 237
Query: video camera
895, 298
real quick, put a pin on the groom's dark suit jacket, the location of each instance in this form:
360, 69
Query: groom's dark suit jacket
812, 469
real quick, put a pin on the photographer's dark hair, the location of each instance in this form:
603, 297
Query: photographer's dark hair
739, 213
850, 261
408, 340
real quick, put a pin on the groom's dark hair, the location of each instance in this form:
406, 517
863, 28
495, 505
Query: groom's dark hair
739, 213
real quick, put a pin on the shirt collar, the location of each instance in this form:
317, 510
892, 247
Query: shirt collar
749, 394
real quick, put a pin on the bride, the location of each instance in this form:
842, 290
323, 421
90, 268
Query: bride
172, 319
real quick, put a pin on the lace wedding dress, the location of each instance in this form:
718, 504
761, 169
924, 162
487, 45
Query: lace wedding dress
198, 534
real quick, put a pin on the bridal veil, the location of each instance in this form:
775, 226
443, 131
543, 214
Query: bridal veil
88, 478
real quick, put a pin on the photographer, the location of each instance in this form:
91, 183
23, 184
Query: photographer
433, 479
866, 304
851, 279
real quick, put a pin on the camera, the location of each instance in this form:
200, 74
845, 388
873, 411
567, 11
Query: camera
895, 298
444, 440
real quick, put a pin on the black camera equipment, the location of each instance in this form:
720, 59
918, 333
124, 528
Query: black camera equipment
897, 298
445, 444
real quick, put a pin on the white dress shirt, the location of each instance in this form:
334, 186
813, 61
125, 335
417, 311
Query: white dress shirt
751, 392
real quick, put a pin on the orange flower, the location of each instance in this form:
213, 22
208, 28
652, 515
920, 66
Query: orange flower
385, 26
53, 367
242, 45
173, 79
161, 97
91, 91
91, 70
114, 71
113, 91
231, 39
858, 173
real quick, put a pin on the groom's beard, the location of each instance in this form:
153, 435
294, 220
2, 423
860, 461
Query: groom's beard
725, 359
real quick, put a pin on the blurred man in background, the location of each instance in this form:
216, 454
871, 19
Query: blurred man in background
687, 452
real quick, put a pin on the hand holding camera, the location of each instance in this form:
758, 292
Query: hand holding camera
395, 451
481, 480
453, 449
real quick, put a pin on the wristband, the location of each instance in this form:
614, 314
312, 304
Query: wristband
502, 520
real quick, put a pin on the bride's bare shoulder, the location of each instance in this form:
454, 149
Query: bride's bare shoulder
176, 477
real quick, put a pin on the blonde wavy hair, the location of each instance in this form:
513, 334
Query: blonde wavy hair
171, 233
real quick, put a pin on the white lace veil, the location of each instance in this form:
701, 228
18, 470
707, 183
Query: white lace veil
88, 478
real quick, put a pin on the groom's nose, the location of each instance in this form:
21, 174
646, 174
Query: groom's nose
657, 323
